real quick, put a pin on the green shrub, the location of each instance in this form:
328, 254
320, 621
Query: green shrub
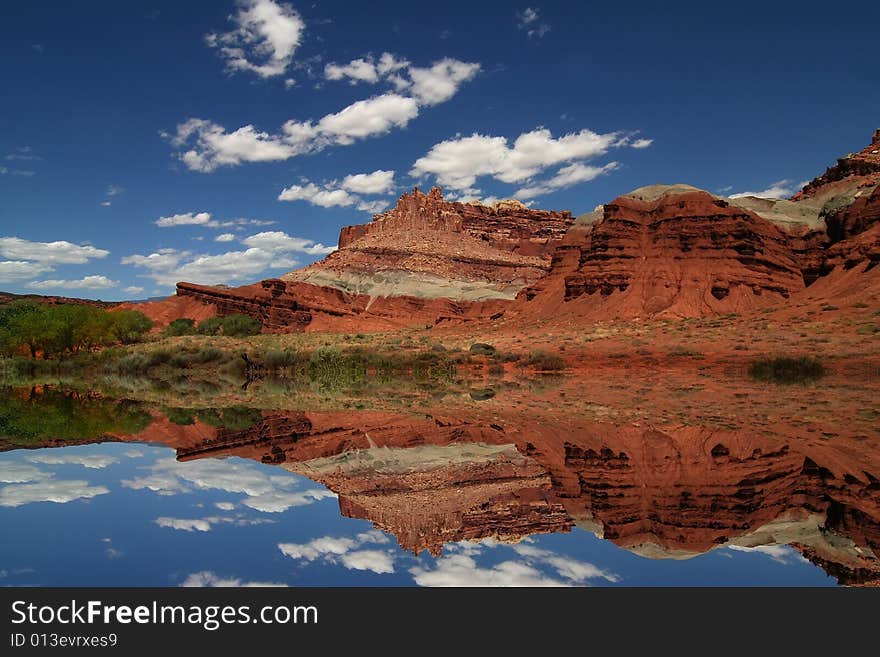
206, 355
182, 326
482, 349
545, 361
210, 326
787, 370
277, 358
240, 326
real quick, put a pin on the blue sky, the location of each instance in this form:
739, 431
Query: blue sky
222, 142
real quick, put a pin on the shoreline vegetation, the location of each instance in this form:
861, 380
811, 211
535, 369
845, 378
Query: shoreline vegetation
116, 351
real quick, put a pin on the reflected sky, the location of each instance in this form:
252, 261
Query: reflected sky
128, 514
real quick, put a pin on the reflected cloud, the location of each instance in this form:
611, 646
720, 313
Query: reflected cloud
783, 554
462, 570
58, 491
92, 461
18, 473
568, 568
266, 493
208, 579
344, 551
206, 524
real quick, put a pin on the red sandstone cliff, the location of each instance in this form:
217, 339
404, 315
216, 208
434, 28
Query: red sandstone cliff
659, 251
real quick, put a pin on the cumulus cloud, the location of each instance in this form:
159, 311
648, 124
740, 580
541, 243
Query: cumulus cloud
266, 250
263, 492
641, 143
19, 270
206, 524
18, 473
428, 85
204, 145
205, 219
462, 570
184, 219
50, 253
784, 554
346, 193
71, 457
263, 40
460, 567
457, 163
225, 237
209, 579
567, 176
529, 21
133, 289
49, 490
344, 551
779, 189
93, 282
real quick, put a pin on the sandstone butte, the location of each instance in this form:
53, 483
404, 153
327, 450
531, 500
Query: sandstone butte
659, 251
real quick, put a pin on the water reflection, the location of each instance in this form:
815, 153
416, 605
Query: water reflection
486, 496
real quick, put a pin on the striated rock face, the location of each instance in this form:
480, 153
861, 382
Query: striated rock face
661, 492
863, 167
677, 251
432, 248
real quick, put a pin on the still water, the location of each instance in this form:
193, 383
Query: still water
107, 492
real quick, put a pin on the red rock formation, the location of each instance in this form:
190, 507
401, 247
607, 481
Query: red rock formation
862, 168
432, 248
672, 251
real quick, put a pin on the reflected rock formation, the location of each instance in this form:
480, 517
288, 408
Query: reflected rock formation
670, 492
658, 491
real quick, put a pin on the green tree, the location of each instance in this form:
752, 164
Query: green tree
130, 325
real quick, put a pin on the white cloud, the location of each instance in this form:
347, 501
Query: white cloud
276, 241
378, 182
106, 204
206, 578
263, 40
357, 70
783, 554
266, 493
326, 198
71, 457
206, 524
462, 570
53, 253
567, 176
93, 282
133, 289
267, 250
568, 568
17, 270
225, 237
440, 82
224, 506
114, 190
429, 86
345, 193
779, 189
185, 524
49, 490
344, 551
18, 473
374, 560
205, 145
641, 143
289, 83
457, 163
184, 219
529, 20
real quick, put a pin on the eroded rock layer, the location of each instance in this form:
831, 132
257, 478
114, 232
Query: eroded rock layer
674, 251
428, 247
